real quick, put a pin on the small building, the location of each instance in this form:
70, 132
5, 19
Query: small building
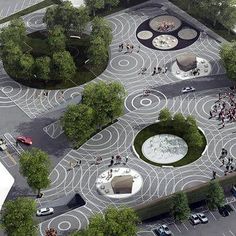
122, 184
187, 61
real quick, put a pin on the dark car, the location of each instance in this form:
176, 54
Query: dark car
233, 190
224, 211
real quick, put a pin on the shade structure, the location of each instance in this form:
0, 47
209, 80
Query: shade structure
122, 184
5, 184
187, 61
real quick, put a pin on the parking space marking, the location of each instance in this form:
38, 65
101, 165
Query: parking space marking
232, 206
177, 227
10, 157
213, 215
231, 232
12, 141
185, 226
7, 162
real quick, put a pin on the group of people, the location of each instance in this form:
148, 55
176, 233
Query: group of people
227, 162
156, 70
224, 108
129, 47
195, 71
118, 160
166, 26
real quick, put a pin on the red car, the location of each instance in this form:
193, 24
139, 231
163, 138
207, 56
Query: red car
25, 140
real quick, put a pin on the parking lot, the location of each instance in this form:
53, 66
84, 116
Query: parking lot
217, 225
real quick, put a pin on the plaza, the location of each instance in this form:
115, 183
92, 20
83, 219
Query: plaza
39, 115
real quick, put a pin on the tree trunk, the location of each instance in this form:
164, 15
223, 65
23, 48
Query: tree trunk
39, 194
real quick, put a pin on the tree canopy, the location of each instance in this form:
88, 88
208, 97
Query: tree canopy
35, 166
63, 66
78, 122
165, 115
107, 100
42, 68
215, 196
180, 208
17, 217
57, 39
68, 17
116, 222
228, 56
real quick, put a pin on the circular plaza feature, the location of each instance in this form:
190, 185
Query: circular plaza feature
165, 23
165, 42
164, 148
120, 182
187, 34
145, 34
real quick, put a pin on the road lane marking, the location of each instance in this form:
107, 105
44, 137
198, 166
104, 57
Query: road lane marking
10, 157
177, 227
231, 232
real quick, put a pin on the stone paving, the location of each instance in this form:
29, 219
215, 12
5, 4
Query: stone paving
140, 111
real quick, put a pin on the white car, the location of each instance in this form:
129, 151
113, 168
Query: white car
45, 211
194, 219
202, 218
166, 230
3, 145
188, 89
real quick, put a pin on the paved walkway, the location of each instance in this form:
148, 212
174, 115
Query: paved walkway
140, 111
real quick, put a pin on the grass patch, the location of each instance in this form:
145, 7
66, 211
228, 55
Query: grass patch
162, 128
28, 10
196, 194
218, 29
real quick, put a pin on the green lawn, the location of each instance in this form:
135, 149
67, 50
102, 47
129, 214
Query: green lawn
28, 10
161, 128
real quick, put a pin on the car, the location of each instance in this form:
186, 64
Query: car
45, 211
162, 230
24, 139
202, 218
166, 230
233, 190
194, 219
188, 89
3, 145
224, 211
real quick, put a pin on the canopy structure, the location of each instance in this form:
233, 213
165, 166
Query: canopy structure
187, 61
6, 183
122, 184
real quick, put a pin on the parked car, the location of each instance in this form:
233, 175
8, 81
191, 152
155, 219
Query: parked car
224, 211
202, 218
194, 219
45, 211
188, 89
166, 230
25, 140
233, 190
3, 144
162, 230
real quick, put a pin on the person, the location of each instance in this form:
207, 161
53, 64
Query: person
143, 70
154, 71
109, 174
138, 49
112, 161
118, 159
126, 160
213, 174
78, 163
17, 143
98, 160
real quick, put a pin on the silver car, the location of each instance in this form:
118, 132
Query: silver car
194, 219
188, 89
166, 230
202, 218
45, 211
3, 145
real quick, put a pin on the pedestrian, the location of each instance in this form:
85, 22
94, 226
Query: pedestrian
112, 161
211, 115
223, 162
109, 174
126, 160
213, 174
98, 160
154, 71
17, 143
227, 168
132, 48
118, 158
78, 163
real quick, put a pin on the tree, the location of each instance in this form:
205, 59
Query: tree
18, 217
94, 5
100, 28
215, 196
180, 208
42, 68
191, 121
78, 122
118, 222
107, 100
57, 39
35, 166
63, 66
228, 17
165, 115
97, 51
26, 64
15, 31
111, 3
179, 122
228, 56
67, 16
193, 138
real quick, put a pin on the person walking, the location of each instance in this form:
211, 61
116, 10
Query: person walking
126, 160
213, 174
154, 71
112, 162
